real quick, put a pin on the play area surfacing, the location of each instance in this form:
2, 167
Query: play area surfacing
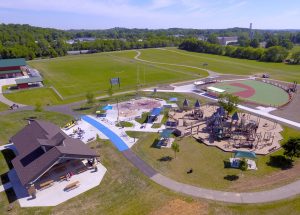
256, 92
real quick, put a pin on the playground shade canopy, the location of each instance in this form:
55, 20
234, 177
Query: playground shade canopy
244, 154
216, 90
107, 107
235, 116
185, 103
155, 111
166, 133
197, 104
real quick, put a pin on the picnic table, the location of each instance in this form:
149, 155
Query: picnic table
46, 184
72, 185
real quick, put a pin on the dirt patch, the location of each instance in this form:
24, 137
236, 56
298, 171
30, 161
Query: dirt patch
247, 93
180, 207
270, 181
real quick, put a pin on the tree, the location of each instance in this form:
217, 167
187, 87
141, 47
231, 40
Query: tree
38, 107
175, 148
243, 164
90, 99
292, 147
212, 38
229, 102
275, 54
254, 43
244, 40
296, 57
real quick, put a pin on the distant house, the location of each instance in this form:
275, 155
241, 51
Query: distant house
42, 146
262, 44
202, 38
11, 68
226, 40
78, 52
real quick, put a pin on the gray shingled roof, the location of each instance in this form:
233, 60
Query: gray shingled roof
40, 145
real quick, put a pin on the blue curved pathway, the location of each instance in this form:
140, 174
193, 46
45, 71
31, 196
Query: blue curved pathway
115, 139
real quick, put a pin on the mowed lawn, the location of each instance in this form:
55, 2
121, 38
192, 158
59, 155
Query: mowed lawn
44, 96
222, 64
3, 106
77, 75
207, 162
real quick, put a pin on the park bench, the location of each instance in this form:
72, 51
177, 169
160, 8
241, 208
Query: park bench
46, 184
72, 186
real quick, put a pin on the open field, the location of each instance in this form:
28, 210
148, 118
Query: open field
208, 164
44, 96
76, 75
222, 64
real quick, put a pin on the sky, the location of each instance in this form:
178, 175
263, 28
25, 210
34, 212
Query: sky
152, 14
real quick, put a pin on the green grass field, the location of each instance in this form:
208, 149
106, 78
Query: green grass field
222, 64
3, 106
76, 75
45, 96
265, 94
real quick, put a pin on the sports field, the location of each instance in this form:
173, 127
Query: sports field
76, 75
222, 64
256, 92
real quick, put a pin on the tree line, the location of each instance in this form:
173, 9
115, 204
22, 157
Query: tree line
271, 54
35, 42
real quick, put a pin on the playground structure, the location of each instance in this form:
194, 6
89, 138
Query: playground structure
211, 125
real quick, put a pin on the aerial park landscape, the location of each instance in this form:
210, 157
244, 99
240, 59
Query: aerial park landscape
149, 121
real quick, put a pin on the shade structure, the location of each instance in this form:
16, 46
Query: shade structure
197, 104
235, 117
173, 99
244, 154
185, 103
166, 133
155, 111
107, 107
